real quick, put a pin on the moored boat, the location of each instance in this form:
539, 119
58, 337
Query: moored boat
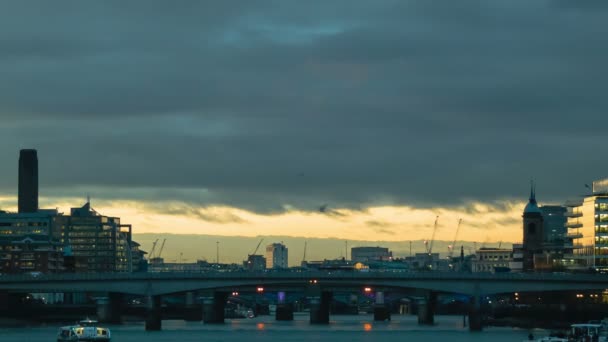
86, 330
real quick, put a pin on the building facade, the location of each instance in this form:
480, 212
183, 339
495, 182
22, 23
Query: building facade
99, 243
276, 256
367, 254
29, 243
44, 240
588, 227
492, 260
254, 263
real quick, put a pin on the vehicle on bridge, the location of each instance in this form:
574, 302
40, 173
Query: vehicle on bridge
86, 330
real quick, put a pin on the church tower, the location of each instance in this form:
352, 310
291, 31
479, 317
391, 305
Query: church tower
533, 230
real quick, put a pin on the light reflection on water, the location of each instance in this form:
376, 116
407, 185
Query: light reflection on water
265, 328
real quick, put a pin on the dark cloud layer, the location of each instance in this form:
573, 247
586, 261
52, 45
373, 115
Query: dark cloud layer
303, 103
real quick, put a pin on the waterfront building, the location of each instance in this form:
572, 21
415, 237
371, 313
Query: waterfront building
99, 243
545, 241
276, 256
367, 254
588, 227
492, 260
28, 242
44, 240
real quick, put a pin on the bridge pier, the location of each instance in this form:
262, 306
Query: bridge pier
193, 310
153, 314
426, 309
109, 308
213, 308
381, 310
284, 310
475, 322
319, 308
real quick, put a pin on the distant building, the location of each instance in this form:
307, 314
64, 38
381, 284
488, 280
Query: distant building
492, 260
588, 227
276, 256
429, 262
517, 264
367, 254
255, 263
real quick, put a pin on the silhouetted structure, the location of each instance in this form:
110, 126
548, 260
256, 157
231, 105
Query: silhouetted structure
28, 181
533, 231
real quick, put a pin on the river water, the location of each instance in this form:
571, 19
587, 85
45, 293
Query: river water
265, 328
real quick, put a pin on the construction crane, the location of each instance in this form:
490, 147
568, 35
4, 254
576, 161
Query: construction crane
151, 254
161, 248
430, 245
257, 247
453, 245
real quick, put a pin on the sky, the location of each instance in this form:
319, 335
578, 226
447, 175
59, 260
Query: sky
242, 118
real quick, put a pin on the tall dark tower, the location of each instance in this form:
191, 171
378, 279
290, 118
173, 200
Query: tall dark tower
533, 230
28, 181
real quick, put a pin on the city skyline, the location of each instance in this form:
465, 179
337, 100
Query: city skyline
348, 120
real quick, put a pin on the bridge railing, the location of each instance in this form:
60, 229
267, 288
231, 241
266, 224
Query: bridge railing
303, 275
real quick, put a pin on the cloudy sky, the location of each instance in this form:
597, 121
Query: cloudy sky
244, 117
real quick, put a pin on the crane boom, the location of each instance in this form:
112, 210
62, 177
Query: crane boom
304, 257
257, 247
433, 236
453, 245
161, 248
151, 255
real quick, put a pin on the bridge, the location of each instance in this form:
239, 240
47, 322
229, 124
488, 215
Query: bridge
211, 289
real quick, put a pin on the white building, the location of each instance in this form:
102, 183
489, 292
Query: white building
492, 260
276, 256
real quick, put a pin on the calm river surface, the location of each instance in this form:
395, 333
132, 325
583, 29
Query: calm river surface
265, 328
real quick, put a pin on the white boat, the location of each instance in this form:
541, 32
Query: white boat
86, 330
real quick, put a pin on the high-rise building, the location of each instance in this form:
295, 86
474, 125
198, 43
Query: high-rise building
588, 227
554, 224
276, 256
28, 181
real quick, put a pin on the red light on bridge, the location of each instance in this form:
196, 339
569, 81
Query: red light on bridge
367, 290
260, 289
